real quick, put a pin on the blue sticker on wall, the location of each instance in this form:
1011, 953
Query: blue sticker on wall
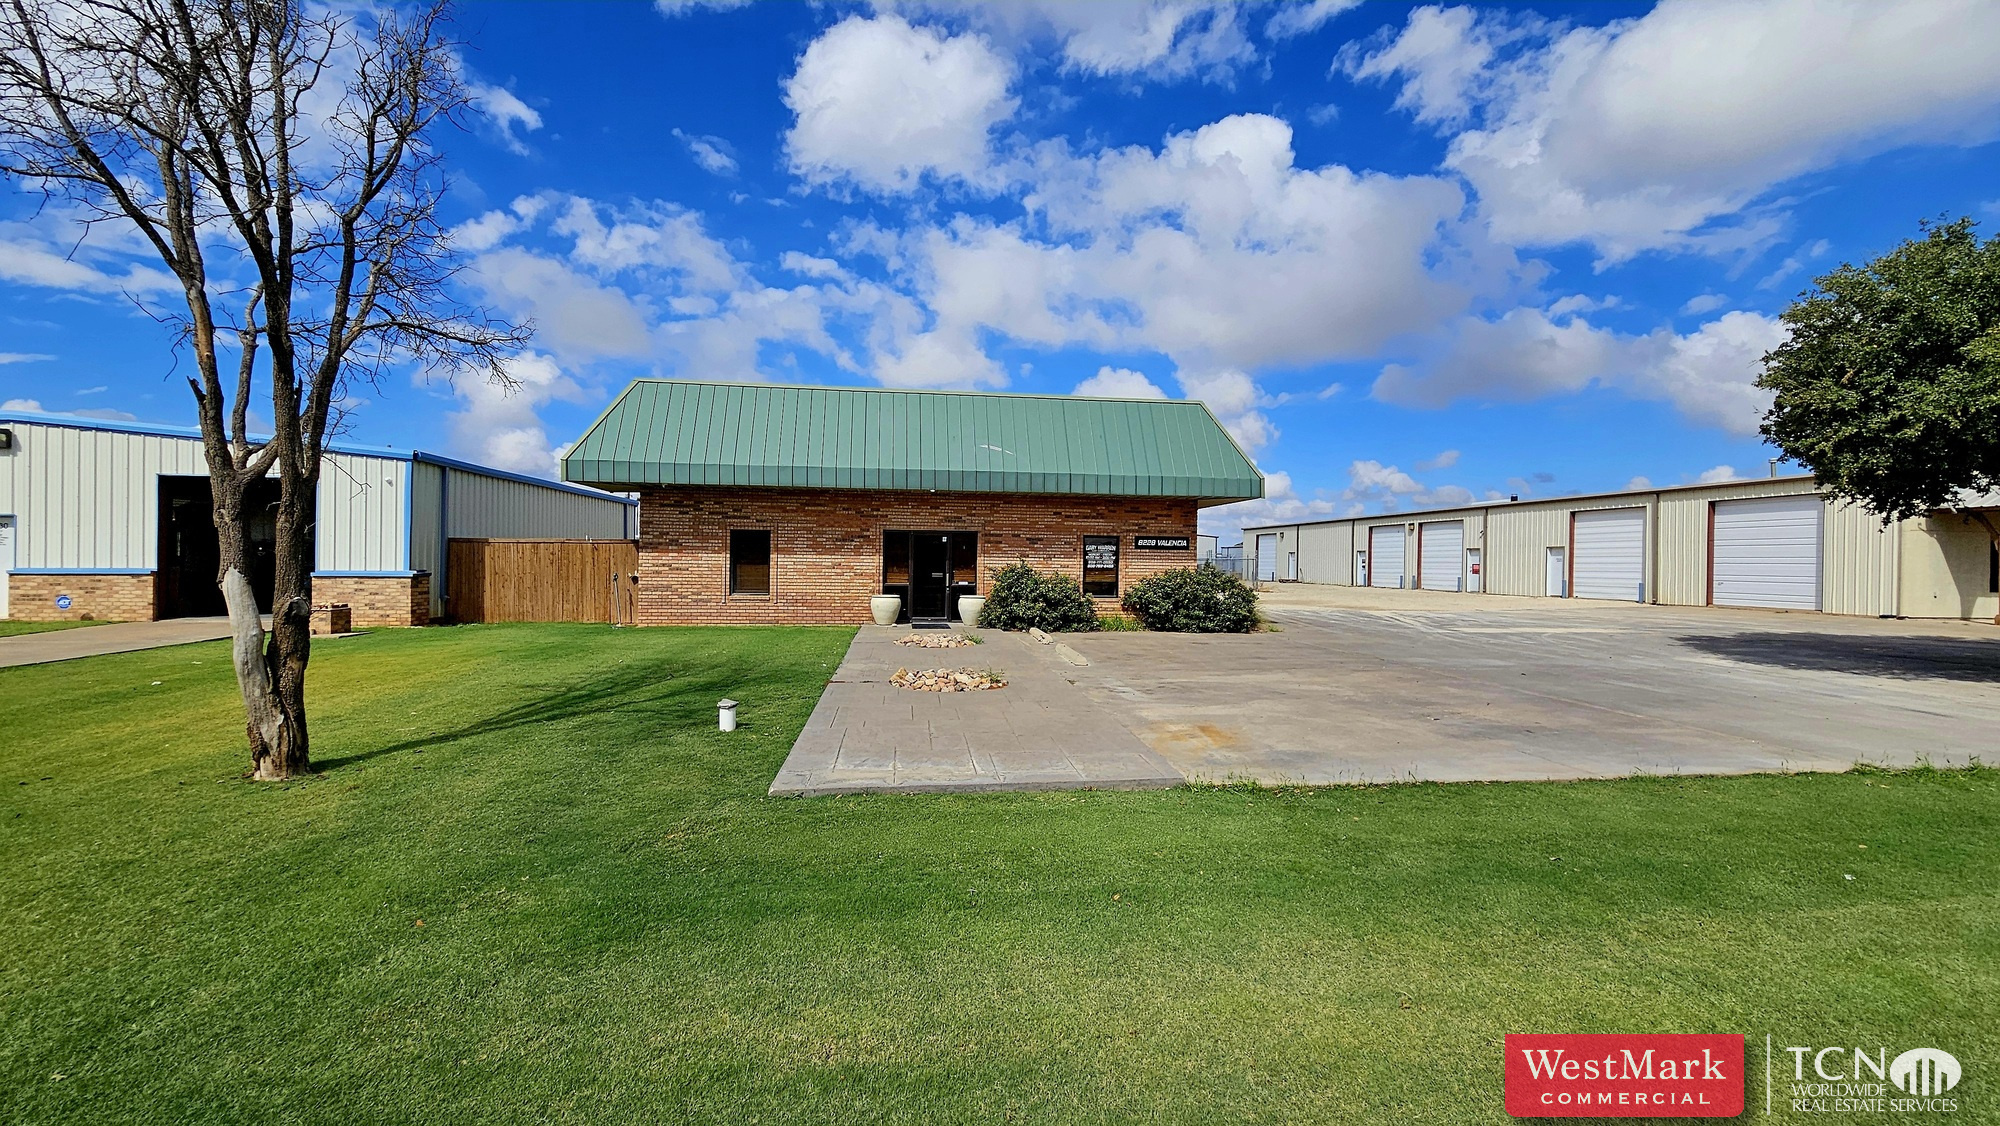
62, 602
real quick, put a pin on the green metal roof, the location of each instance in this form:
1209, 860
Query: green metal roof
671, 432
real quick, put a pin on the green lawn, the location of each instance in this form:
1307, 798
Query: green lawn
11, 628
533, 884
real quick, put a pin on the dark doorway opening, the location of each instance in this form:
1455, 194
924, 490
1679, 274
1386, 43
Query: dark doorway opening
930, 571
191, 555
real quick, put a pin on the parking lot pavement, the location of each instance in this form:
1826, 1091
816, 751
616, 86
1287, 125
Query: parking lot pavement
1380, 686
867, 735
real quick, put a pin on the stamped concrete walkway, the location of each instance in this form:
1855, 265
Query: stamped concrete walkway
112, 637
1038, 733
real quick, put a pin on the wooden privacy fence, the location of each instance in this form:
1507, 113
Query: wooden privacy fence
541, 580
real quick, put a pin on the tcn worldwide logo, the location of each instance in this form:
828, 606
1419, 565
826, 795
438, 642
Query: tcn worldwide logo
1845, 1079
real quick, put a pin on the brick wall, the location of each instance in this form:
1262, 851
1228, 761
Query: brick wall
826, 545
378, 600
106, 598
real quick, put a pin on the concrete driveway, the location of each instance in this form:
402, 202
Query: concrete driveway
112, 637
1380, 686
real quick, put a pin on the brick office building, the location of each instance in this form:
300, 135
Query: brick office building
761, 503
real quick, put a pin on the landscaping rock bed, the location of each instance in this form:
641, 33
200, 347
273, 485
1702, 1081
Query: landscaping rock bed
947, 680
937, 640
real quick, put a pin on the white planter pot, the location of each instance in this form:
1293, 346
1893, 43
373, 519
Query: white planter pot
886, 608
969, 606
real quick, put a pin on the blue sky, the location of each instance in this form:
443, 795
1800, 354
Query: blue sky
1410, 256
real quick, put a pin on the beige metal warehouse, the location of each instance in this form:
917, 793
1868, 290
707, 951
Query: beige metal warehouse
112, 520
1777, 543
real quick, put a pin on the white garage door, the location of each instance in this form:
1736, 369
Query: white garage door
1609, 560
1441, 555
1267, 558
1385, 556
1767, 553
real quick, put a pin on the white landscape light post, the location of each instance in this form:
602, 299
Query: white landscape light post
726, 715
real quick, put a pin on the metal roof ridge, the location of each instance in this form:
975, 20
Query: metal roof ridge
916, 391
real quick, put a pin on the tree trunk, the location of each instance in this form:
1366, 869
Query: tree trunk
270, 672
291, 632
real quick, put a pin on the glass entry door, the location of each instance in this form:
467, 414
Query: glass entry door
930, 574
930, 570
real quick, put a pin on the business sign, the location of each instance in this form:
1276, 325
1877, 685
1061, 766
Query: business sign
1100, 553
63, 602
1625, 1076
1160, 543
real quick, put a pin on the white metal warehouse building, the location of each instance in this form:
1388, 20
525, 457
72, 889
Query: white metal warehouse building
111, 520
1777, 543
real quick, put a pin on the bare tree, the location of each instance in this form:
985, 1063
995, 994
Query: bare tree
280, 161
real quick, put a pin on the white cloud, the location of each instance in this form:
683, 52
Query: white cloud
1709, 374
1578, 303
34, 405
497, 425
1234, 398
1663, 132
1703, 303
809, 265
1371, 484
1300, 18
1160, 40
31, 262
1120, 383
504, 111
1718, 475
671, 8
1280, 504
655, 237
494, 227
31, 358
1444, 460
1216, 250
1795, 263
574, 315
712, 153
880, 103
1638, 484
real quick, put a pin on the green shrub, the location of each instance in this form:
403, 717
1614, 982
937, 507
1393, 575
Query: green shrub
1023, 597
1193, 600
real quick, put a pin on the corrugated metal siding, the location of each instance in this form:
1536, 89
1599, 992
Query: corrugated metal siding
1517, 541
427, 533
1682, 557
1859, 564
482, 507
361, 514
1326, 553
1930, 567
678, 433
86, 499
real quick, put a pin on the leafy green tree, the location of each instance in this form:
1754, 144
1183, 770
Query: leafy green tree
1889, 388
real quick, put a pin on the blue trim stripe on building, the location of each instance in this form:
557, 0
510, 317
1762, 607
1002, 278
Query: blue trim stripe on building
81, 571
